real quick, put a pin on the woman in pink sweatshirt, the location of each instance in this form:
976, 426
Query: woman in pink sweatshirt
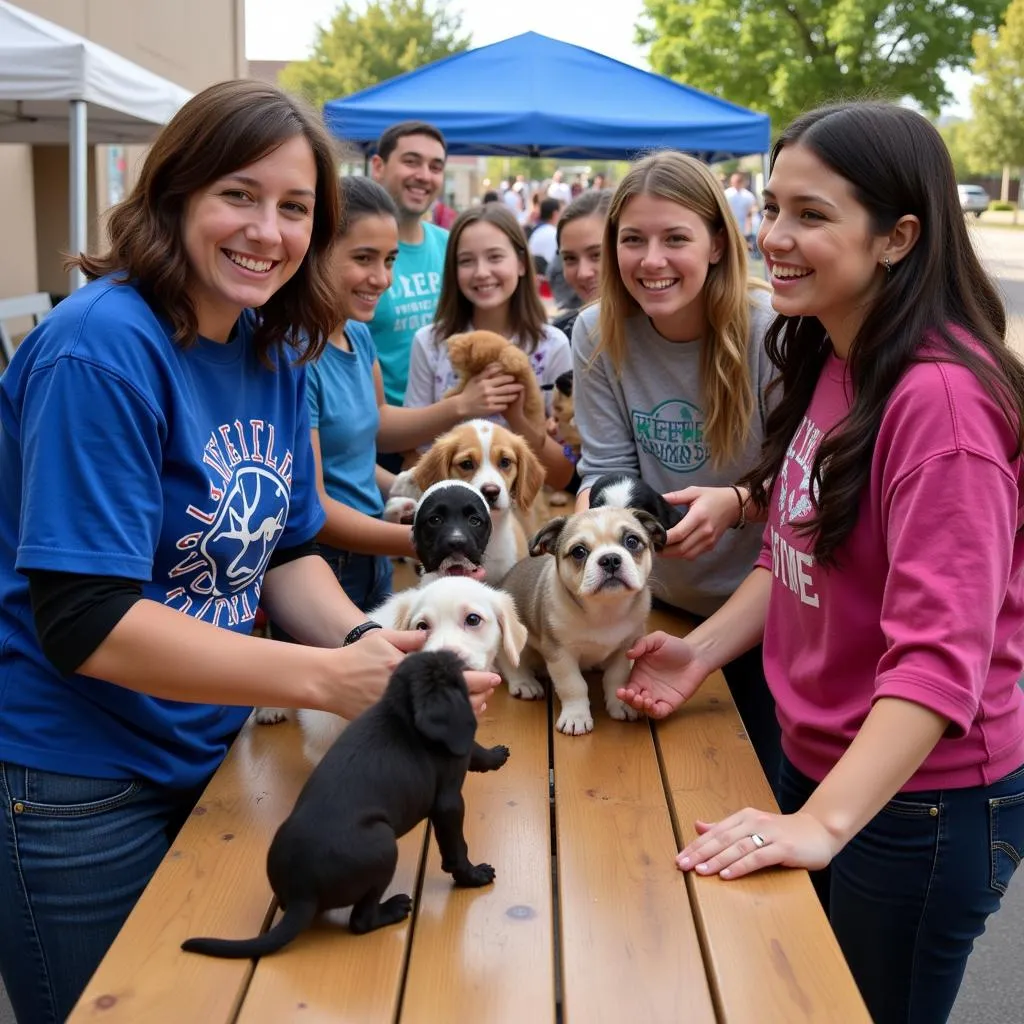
889, 592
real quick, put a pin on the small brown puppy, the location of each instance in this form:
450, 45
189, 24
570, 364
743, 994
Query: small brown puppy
584, 600
472, 353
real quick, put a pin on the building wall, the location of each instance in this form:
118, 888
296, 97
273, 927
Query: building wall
190, 42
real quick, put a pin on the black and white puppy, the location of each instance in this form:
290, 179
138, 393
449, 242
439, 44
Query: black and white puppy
401, 761
620, 490
451, 529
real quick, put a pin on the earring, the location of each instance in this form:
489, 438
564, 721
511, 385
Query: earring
887, 264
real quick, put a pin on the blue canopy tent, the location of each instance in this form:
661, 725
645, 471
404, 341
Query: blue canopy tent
536, 96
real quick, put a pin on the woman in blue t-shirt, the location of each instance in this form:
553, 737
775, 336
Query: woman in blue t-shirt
349, 417
158, 486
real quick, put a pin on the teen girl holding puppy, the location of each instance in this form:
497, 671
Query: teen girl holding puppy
670, 376
489, 284
349, 417
890, 587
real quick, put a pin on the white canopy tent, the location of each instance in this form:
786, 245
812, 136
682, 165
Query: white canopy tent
57, 87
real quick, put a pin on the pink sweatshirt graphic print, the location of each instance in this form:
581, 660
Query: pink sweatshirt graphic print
927, 604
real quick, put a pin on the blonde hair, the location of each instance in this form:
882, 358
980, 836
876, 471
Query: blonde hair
726, 386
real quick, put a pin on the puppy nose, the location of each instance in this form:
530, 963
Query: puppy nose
610, 562
490, 493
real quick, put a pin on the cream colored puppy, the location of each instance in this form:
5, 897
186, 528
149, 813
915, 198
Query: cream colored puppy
584, 598
463, 615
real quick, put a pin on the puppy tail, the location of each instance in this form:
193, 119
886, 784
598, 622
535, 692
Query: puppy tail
297, 918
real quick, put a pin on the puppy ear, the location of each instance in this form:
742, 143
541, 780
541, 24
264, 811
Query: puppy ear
442, 713
402, 605
513, 632
653, 528
546, 539
529, 474
435, 463
459, 345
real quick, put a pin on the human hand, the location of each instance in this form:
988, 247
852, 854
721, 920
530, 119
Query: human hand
362, 670
491, 391
711, 511
480, 685
666, 672
727, 848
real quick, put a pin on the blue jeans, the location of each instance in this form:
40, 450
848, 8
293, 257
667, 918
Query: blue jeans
366, 579
911, 892
75, 855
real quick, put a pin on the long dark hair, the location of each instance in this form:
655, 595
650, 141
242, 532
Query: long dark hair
898, 165
224, 127
363, 197
526, 315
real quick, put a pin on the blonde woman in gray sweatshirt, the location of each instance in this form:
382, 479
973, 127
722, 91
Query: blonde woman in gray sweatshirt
670, 382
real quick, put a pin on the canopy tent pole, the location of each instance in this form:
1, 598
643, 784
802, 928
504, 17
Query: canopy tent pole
77, 185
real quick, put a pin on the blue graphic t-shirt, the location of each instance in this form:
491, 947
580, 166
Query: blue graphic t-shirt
406, 306
343, 408
123, 454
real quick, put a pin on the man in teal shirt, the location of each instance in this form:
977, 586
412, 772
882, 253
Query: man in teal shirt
409, 163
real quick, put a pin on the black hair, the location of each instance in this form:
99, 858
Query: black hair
548, 208
897, 165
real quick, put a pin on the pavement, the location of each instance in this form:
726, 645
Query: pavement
993, 988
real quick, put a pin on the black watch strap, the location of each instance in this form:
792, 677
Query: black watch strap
358, 632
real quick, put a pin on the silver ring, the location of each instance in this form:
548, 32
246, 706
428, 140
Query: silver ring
757, 840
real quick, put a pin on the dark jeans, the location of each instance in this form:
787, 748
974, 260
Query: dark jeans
911, 892
756, 706
75, 855
366, 579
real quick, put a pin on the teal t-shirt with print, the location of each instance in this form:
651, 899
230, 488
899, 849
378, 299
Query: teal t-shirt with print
406, 306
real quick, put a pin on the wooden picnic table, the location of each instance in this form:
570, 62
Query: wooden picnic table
588, 920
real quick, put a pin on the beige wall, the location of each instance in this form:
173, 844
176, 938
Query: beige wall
191, 42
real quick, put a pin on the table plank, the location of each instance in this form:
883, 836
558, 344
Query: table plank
212, 882
488, 954
629, 944
769, 949
329, 975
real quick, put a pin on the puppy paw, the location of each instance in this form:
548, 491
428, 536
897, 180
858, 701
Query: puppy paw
396, 908
400, 510
526, 688
473, 876
488, 759
575, 719
620, 711
271, 716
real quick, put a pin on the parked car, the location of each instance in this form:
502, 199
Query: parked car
973, 199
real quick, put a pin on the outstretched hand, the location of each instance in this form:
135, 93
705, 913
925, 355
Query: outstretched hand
666, 672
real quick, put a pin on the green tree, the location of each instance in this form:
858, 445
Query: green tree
997, 131
360, 48
786, 56
967, 160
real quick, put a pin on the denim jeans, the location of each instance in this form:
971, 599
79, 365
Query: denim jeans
75, 855
366, 579
911, 892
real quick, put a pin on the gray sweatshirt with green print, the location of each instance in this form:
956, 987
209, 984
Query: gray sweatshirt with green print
650, 422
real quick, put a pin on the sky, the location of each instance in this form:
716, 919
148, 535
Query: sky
284, 31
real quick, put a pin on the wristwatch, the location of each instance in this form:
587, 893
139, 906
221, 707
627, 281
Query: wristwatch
358, 632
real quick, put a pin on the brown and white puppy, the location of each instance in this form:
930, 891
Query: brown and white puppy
584, 599
500, 465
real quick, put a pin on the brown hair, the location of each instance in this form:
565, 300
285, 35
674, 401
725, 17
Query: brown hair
592, 203
526, 315
392, 135
726, 385
221, 129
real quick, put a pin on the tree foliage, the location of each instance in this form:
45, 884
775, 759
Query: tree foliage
997, 131
786, 56
360, 48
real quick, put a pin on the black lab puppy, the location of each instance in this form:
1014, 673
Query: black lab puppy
401, 761
620, 490
451, 529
